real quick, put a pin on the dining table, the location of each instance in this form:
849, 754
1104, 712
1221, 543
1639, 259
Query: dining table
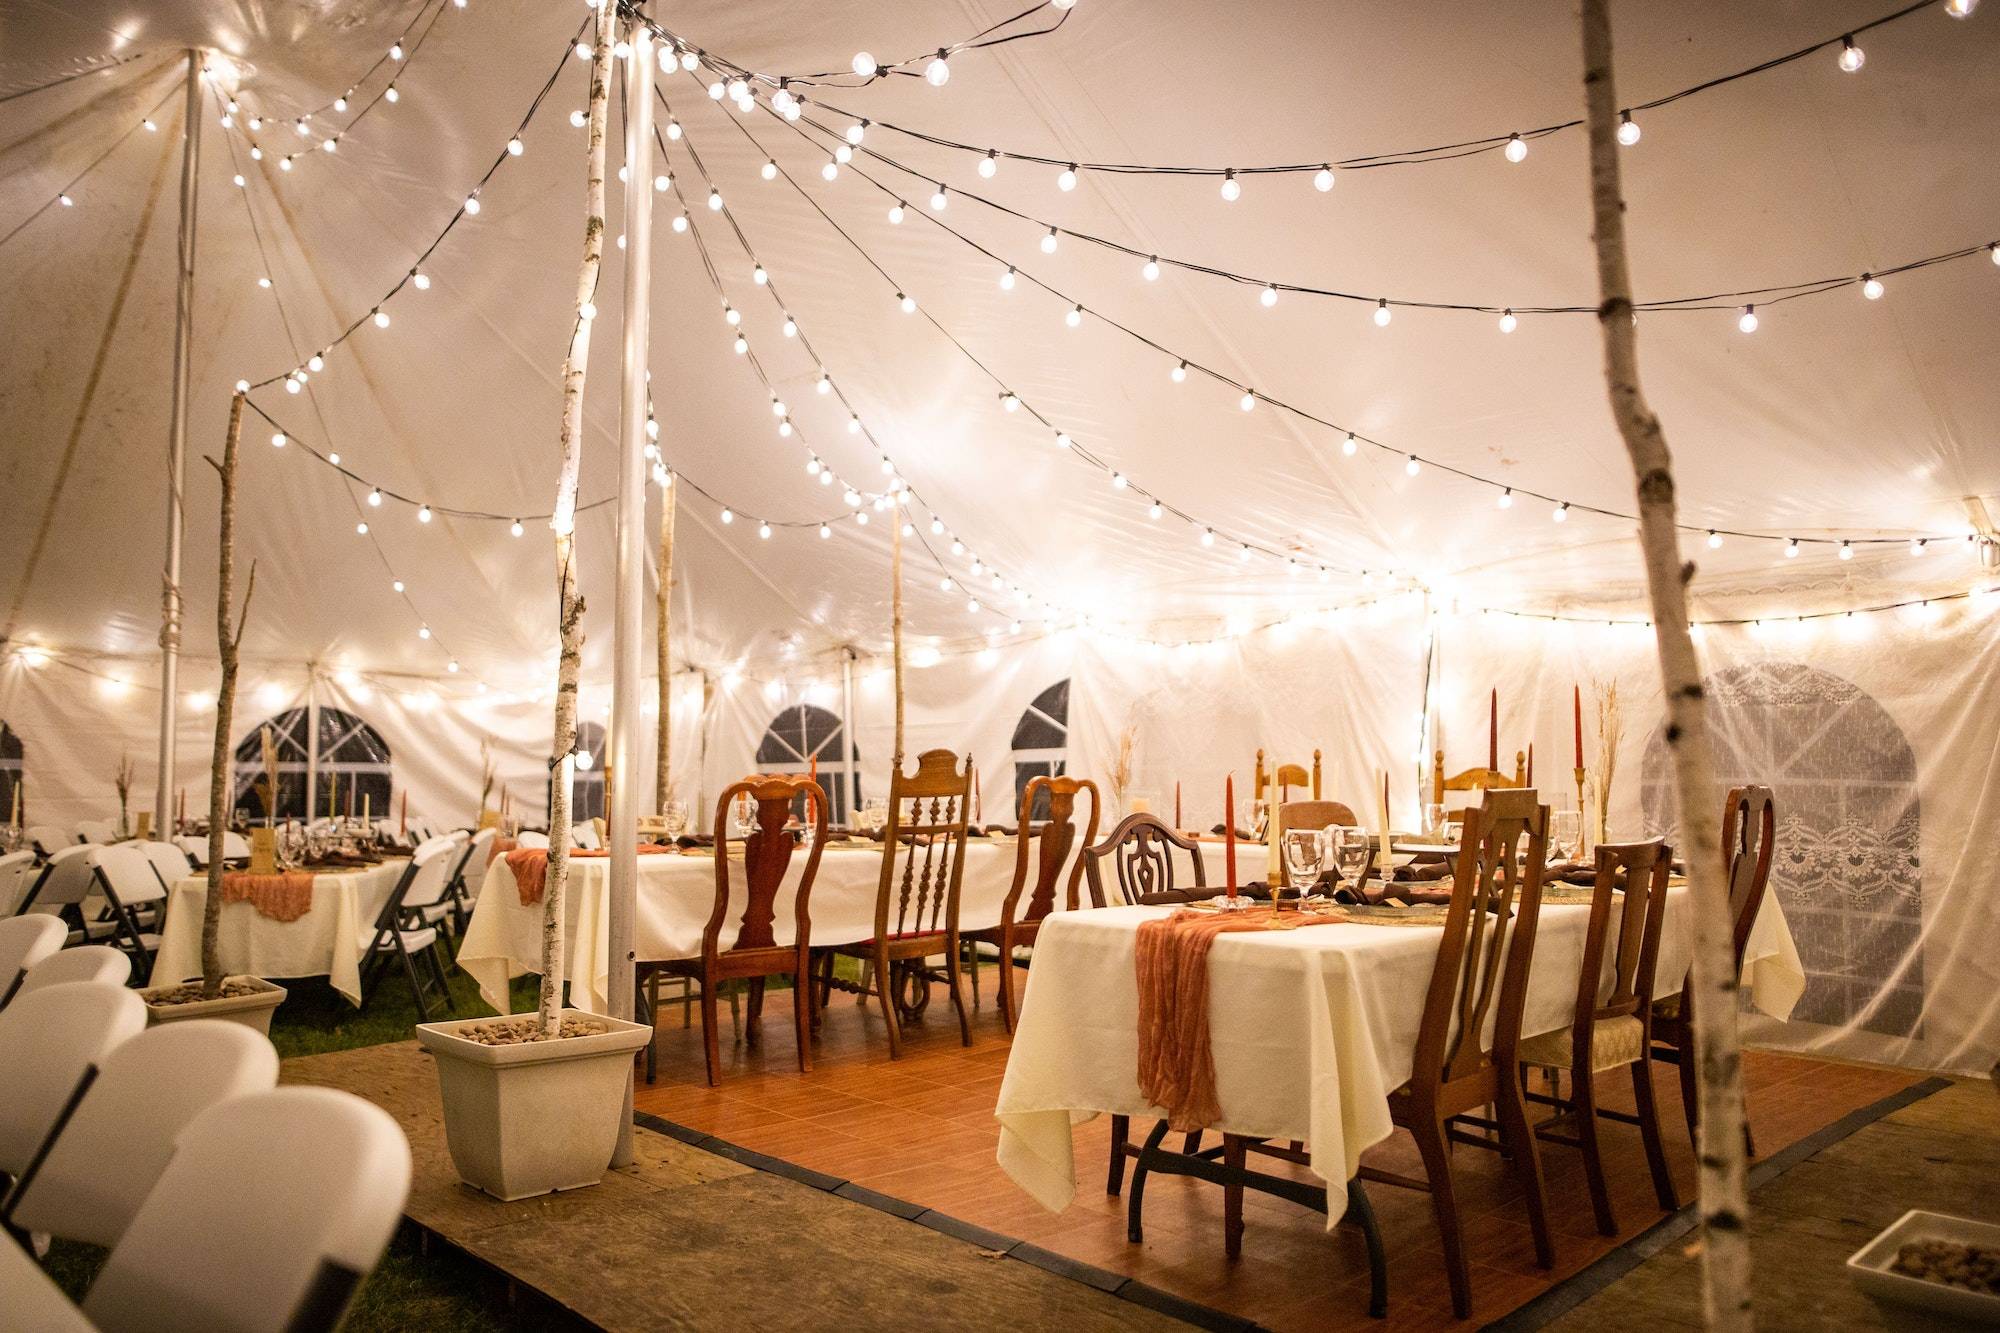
1310, 1029
676, 893
327, 938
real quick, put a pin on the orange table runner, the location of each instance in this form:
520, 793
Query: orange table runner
531, 867
281, 897
1176, 1063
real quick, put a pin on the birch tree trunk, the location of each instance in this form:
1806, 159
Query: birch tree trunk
896, 625
226, 645
1713, 984
663, 783
562, 757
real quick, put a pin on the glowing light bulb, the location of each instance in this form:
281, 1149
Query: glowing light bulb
397, 585
1350, 446
472, 205
1323, 179
1507, 321
896, 212
1062, 440
1960, 9
1714, 540
769, 171
1248, 402
1871, 287
423, 514
1067, 180
418, 279
989, 166
578, 119
1413, 467
742, 345
1506, 500
150, 127
674, 130
515, 528
1208, 536
1747, 321
908, 304
1269, 296
1852, 57
1151, 270
1382, 315
1792, 548
681, 223
375, 498
361, 528
381, 319
65, 201
939, 198
716, 91
1517, 148
1561, 512
396, 51
856, 132
764, 531
1628, 129
728, 515
830, 170
864, 65
1178, 373
390, 94
1846, 550
1049, 243
825, 532
278, 440
1232, 189
1010, 402
714, 201
1074, 316
1007, 279
333, 458
938, 72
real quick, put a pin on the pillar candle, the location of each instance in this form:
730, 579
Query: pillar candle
1493, 732
1576, 701
364, 809
1229, 830
1382, 822
1274, 869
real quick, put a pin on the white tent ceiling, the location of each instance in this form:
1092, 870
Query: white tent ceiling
1839, 416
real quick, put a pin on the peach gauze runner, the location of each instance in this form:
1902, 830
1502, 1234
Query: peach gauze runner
1176, 1064
282, 897
531, 867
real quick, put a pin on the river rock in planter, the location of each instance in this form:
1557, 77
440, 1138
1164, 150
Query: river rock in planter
529, 1117
247, 1000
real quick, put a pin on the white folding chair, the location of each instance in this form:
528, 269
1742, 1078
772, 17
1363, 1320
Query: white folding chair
530, 838
135, 895
583, 835
400, 931
98, 1171
17, 872
97, 963
465, 879
24, 942
170, 863
51, 1042
65, 880
235, 847
245, 1231
48, 839
97, 830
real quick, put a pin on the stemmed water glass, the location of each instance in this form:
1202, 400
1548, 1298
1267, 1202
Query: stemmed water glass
674, 819
1350, 850
1305, 855
1565, 835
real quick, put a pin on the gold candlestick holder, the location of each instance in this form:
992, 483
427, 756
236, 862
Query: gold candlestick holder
1582, 826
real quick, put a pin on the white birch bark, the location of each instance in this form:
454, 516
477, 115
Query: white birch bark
1724, 1201
562, 762
226, 645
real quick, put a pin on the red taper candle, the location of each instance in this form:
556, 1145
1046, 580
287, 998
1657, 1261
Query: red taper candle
1493, 732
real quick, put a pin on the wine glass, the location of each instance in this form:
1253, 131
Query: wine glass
1350, 849
674, 819
1565, 834
1436, 821
1252, 815
1305, 854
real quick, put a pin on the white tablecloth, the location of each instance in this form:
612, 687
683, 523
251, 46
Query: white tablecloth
327, 941
1311, 1029
676, 894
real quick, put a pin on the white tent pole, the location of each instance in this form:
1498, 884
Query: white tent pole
848, 726
312, 740
170, 578
628, 606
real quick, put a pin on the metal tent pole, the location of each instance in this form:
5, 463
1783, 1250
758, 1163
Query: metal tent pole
170, 578
312, 740
628, 606
849, 724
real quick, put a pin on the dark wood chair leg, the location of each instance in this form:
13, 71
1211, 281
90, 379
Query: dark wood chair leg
711, 1043
1527, 1157
883, 985
1008, 1014
1192, 1143
802, 1010
1121, 1135
958, 989
1444, 1207
1135, 1206
1232, 1198
1649, 1132
1690, 1098
754, 1014
1583, 1097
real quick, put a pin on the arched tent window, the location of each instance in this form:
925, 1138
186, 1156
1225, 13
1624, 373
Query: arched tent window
586, 790
801, 734
351, 753
1041, 744
11, 789
1846, 871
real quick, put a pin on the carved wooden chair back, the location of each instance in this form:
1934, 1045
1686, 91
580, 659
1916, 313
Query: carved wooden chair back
1631, 888
1141, 850
1053, 841
767, 856
1287, 776
1314, 815
926, 834
1482, 963
1749, 838
1476, 779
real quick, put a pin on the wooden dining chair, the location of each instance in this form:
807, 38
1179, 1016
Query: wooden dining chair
1481, 972
1749, 840
1286, 776
1476, 779
916, 899
1314, 815
1628, 903
1038, 876
1141, 852
755, 955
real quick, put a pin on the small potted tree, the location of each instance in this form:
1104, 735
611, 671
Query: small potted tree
242, 999
532, 1102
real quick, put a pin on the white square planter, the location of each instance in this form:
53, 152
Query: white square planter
535, 1116
252, 1011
